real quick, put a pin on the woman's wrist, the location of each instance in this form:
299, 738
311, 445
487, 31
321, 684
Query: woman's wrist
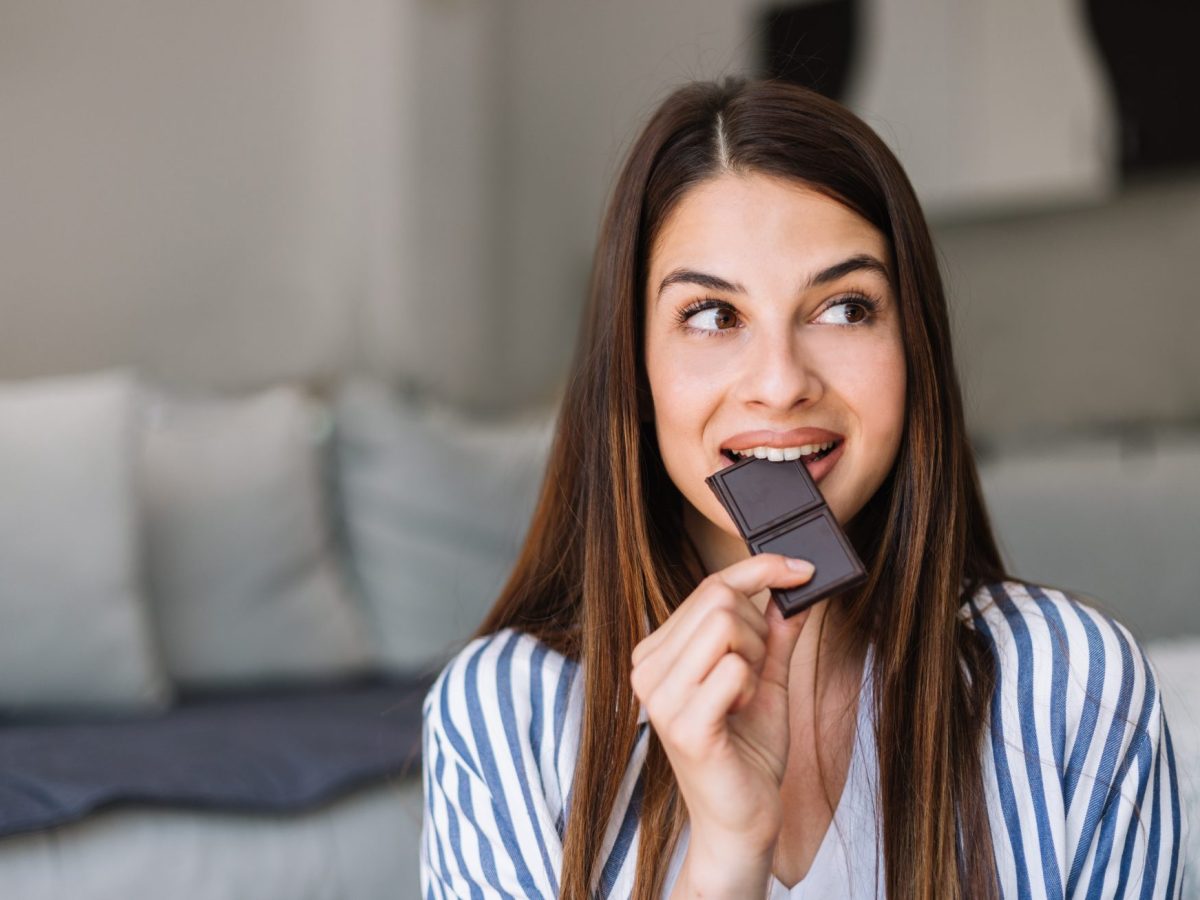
719, 870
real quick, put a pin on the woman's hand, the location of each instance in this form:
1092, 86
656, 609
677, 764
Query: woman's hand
714, 681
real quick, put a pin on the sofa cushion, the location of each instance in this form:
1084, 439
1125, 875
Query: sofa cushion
244, 582
435, 506
75, 630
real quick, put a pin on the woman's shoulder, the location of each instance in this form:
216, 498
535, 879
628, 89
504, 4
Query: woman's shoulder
1080, 760
1029, 624
503, 694
1069, 675
494, 768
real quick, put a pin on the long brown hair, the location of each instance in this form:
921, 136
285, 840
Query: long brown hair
606, 556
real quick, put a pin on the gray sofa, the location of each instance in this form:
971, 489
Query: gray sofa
221, 614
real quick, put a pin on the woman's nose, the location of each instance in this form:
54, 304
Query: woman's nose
778, 374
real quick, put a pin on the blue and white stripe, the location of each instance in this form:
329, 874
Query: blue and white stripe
1084, 793
1079, 769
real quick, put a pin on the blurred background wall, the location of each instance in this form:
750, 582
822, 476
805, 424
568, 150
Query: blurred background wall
212, 191
233, 193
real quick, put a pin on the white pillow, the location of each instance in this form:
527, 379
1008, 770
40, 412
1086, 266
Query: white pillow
74, 630
243, 580
435, 507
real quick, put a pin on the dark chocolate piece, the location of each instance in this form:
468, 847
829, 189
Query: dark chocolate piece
778, 509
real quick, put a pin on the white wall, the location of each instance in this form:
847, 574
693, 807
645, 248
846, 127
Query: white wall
448, 314
230, 193
580, 77
1083, 318
170, 193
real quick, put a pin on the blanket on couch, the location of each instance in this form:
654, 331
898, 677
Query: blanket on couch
266, 751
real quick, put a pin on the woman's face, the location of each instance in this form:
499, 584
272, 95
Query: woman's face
769, 312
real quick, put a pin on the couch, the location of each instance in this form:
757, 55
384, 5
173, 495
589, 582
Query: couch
221, 614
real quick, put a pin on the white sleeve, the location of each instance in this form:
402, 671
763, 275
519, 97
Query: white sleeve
1132, 845
488, 828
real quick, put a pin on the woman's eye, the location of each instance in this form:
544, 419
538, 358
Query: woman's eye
850, 311
712, 317
709, 316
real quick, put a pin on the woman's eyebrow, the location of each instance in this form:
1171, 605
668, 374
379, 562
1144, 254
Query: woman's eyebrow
862, 262
690, 276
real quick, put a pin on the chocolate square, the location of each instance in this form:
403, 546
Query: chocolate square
778, 509
762, 496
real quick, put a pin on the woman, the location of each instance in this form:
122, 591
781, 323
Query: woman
635, 718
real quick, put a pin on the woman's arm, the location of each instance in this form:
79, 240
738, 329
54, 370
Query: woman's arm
1131, 842
699, 877
488, 829
1086, 799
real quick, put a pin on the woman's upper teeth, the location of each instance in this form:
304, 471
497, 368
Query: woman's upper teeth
782, 453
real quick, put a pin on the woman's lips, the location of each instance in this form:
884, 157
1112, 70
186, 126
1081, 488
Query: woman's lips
822, 466
817, 470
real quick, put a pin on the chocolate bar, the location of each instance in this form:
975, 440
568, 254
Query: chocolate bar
778, 509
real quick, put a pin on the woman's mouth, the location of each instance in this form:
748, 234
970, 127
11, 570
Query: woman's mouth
817, 460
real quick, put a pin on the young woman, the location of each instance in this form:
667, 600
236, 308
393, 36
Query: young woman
635, 718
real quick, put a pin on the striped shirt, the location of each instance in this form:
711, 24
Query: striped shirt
1078, 768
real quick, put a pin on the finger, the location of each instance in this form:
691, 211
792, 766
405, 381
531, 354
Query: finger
736, 584
748, 577
730, 684
757, 573
707, 596
713, 600
724, 633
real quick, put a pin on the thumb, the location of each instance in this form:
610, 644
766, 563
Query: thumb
781, 641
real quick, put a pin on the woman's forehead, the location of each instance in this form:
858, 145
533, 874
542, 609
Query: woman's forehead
740, 225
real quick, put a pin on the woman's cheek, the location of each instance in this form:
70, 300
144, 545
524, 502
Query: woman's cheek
891, 418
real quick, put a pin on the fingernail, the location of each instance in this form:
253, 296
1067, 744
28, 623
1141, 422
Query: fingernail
801, 565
